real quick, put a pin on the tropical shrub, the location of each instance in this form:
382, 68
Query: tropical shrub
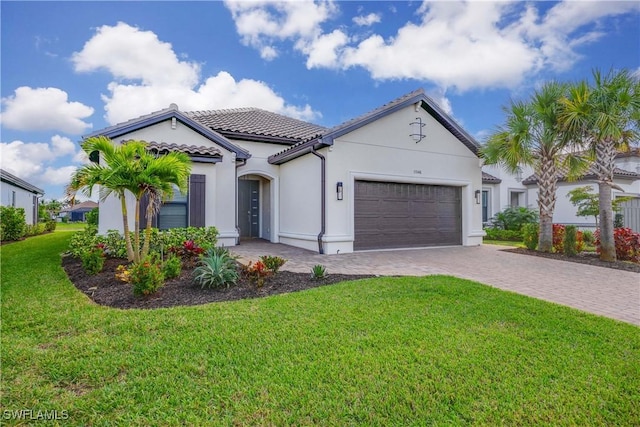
559, 232
500, 234
115, 244
204, 237
93, 216
273, 263
12, 223
83, 241
171, 267
513, 218
570, 240
93, 260
627, 244
217, 268
618, 220
50, 225
34, 230
318, 272
146, 276
189, 252
530, 235
256, 273
587, 237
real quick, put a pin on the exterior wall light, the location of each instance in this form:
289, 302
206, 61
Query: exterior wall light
416, 127
478, 198
339, 191
519, 174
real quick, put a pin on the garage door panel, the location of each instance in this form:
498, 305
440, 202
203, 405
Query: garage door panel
400, 215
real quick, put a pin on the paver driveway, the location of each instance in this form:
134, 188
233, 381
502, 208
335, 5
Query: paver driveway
603, 291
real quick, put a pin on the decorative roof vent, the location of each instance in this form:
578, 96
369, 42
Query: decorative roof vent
173, 106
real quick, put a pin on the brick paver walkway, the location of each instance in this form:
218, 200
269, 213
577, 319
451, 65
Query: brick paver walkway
598, 290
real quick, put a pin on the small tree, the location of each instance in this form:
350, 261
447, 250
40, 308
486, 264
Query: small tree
588, 203
131, 168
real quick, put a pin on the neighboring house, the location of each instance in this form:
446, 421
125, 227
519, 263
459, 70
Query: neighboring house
503, 189
402, 175
19, 193
78, 212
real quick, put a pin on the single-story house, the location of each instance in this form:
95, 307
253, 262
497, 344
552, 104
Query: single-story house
78, 212
19, 193
501, 189
403, 175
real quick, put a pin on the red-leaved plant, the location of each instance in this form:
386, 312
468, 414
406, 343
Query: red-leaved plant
256, 272
558, 239
189, 252
627, 243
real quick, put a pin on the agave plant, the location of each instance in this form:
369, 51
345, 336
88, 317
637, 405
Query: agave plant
216, 269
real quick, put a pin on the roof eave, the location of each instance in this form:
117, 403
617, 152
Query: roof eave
125, 128
299, 150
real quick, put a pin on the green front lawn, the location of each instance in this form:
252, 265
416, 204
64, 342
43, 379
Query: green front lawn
503, 243
70, 226
386, 351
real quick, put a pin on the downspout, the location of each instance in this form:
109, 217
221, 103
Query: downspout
323, 198
238, 165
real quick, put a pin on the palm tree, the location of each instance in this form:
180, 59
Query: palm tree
131, 168
605, 117
531, 137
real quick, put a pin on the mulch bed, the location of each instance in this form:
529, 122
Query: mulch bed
105, 289
583, 258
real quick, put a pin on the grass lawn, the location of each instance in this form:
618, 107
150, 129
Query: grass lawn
70, 226
503, 243
387, 351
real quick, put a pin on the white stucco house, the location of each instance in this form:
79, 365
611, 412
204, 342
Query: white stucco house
501, 189
403, 175
19, 193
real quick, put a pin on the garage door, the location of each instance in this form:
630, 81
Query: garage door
396, 215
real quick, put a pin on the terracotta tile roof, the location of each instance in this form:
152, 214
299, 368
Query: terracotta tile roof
490, 179
187, 149
242, 123
89, 204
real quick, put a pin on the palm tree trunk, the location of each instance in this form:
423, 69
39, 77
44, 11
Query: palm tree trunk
127, 237
605, 155
546, 202
147, 232
136, 234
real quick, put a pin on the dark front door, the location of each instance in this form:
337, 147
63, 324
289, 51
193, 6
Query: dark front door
249, 208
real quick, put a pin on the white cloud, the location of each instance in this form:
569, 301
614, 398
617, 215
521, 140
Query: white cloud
156, 80
130, 53
263, 23
367, 20
58, 176
324, 50
37, 162
39, 109
461, 45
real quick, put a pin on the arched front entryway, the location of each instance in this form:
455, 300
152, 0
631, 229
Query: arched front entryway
256, 201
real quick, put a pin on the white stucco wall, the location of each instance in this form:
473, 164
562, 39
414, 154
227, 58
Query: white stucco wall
565, 211
23, 199
500, 194
220, 178
384, 151
300, 202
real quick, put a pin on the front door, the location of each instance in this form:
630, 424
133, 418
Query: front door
249, 208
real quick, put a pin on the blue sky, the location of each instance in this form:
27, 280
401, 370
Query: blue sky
70, 68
